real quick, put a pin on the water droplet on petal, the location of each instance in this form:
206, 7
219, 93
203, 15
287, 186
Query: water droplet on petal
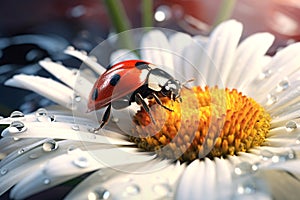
71, 148
74, 71
52, 118
42, 115
17, 127
71, 48
298, 141
162, 189
283, 85
16, 114
266, 74
77, 97
50, 145
3, 171
115, 119
46, 181
21, 151
266, 154
83, 52
75, 127
290, 126
243, 168
245, 188
271, 99
81, 162
99, 194
33, 156
286, 155
132, 190
93, 58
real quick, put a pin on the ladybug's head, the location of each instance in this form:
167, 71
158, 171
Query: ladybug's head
171, 89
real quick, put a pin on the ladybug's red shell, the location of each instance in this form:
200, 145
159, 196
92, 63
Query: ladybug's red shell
117, 82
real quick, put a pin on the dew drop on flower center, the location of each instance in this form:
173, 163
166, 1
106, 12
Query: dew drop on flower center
209, 122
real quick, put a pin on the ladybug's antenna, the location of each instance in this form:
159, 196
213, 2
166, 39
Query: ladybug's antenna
186, 82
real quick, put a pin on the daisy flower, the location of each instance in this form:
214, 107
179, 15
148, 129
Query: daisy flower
235, 134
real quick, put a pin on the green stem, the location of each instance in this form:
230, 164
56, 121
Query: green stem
147, 13
225, 11
120, 21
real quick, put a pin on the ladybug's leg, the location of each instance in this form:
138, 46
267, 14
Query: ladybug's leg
158, 101
105, 116
139, 100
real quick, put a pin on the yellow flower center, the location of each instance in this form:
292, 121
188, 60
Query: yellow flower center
208, 122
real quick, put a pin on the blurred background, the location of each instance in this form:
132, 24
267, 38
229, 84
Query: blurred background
31, 30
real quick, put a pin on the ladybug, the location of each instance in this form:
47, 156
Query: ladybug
132, 81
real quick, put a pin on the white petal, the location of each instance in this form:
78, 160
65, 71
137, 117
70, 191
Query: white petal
86, 59
68, 166
121, 55
178, 43
283, 64
149, 184
248, 59
155, 48
27, 160
46, 87
70, 77
221, 49
191, 183
64, 130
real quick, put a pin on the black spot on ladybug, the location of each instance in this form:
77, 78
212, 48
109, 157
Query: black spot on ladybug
142, 65
95, 94
115, 79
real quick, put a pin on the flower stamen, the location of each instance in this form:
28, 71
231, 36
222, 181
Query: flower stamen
209, 122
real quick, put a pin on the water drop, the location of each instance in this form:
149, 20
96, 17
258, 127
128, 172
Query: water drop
115, 119
71, 148
74, 72
271, 99
266, 74
33, 156
50, 145
21, 151
81, 162
52, 118
285, 155
77, 98
70, 48
132, 190
162, 189
246, 188
266, 154
46, 181
83, 52
93, 58
283, 85
99, 194
243, 168
290, 126
42, 115
298, 140
16, 114
75, 127
3, 171
17, 127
